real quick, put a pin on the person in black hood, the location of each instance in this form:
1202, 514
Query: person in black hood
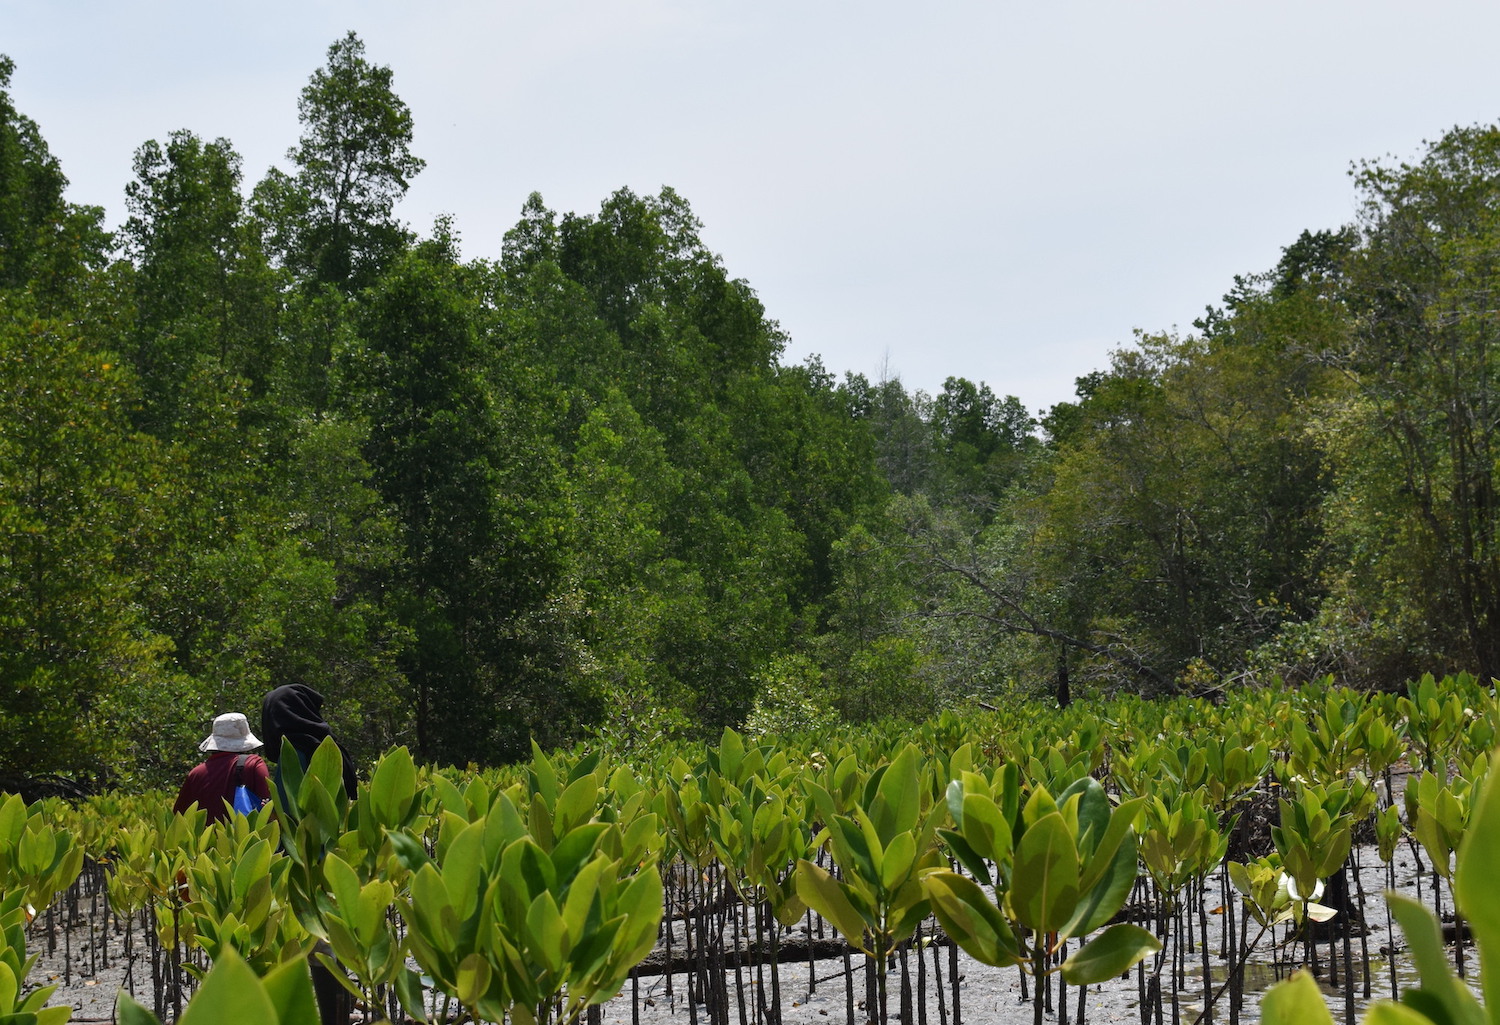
293, 713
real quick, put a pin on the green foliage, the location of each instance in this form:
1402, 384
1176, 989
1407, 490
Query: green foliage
789, 698
73, 499
232, 994
576, 493
333, 220
47, 245
1441, 998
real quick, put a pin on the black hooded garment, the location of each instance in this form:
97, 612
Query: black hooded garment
294, 713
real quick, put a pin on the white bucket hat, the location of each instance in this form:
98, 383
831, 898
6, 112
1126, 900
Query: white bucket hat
231, 733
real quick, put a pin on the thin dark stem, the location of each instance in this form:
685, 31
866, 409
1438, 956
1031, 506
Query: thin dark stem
1238, 968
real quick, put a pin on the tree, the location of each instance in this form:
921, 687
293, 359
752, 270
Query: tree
1419, 502
985, 439
74, 651
476, 488
46, 243
1181, 510
333, 222
204, 297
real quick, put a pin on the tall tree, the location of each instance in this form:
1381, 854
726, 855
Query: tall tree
46, 243
333, 221
204, 297
476, 488
1420, 502
74, 498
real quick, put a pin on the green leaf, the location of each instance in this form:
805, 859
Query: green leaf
967, 915
1425, 941
821, 892
1386, 1013
966, 855
1108, 895
128, 1012
550, 941
898, 798
1116, 835
473, 980
576, 805
1297, 1001
408, 850
987, 831
898, 859
462, 869
1108, 954
343, 884
289, 985
230, 995
731, 753
1044, 888
1474, 884
576, 848
409, 992
641, 904
393, 787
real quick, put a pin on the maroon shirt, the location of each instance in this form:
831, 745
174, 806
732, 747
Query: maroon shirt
211, 784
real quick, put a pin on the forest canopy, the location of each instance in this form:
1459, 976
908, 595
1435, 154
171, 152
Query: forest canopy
267, 432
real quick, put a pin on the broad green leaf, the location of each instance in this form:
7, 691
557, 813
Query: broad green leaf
462, 869
966, 855
1098, 905
898, 799
327, 767
641, 904
393, 787
128, 1012
432, 909
900, 855
289, 986
583, 896
1044, 887
575, 848
968, 916
1109, 954
408, 850
731, 753
409, 991
1297, 1001
230, 995
544, 775
1425, 941
1386, 1013
821, 892
585, 766
1478, 896
986, 831
550, 941
473, 980
368, 915
343, 884
1116, 835
576, 805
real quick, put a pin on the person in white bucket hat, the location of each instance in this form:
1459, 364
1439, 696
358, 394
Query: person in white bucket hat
231, 762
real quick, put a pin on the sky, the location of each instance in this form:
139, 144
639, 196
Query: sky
994, 190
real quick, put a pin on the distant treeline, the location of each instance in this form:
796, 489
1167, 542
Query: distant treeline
260, 435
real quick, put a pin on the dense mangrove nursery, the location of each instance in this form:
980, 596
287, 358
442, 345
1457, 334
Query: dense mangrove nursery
1169, 859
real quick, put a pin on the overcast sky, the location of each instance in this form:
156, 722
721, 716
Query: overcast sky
993, 190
